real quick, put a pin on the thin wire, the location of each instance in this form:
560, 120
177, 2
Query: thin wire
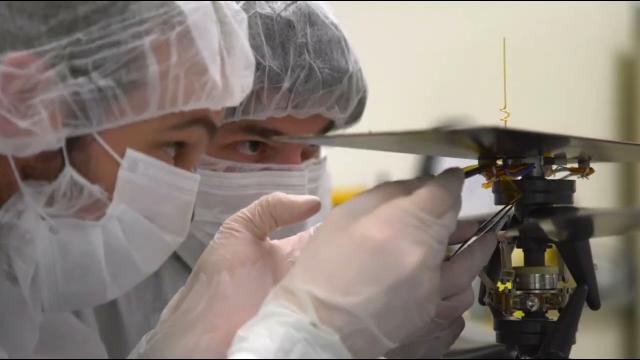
507, 114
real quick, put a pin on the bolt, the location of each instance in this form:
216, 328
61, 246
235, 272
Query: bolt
532, 304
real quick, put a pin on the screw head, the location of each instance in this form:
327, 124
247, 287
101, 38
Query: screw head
532, 303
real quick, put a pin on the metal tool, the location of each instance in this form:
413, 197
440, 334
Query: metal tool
495, 222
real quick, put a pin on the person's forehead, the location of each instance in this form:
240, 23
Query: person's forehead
173, 123
280, 125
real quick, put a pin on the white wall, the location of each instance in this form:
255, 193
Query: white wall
427, 61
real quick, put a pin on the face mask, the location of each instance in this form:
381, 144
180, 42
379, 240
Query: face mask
67, 262
228, 187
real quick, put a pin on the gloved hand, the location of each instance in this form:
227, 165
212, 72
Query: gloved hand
230, 281
456, 276
371, 274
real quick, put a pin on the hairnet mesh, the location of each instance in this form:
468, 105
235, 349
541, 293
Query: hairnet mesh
73, 68
304, 65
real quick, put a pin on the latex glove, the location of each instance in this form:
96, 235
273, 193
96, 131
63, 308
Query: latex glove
370, 274
230, 281
457, 296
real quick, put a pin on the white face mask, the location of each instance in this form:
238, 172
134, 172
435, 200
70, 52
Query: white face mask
228, 187
68, 263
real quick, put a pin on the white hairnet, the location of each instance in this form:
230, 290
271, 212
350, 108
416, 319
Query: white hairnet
73, 68
304, 65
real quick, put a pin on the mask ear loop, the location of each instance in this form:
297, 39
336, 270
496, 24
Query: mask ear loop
107, 148
25, 191
27, 196
65, 156
78, 176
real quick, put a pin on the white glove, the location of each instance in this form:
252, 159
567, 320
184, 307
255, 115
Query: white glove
370, 274
456, 276
230, 281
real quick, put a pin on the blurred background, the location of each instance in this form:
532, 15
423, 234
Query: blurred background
572, 68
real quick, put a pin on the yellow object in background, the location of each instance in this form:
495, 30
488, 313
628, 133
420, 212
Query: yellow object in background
343, 194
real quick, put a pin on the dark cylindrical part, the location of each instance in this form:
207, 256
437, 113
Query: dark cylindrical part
534, 258
535, 191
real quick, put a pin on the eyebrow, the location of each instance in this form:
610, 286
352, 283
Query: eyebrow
267, 133
202, 122
260, 131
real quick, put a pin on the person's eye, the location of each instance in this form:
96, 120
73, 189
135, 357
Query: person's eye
250, 147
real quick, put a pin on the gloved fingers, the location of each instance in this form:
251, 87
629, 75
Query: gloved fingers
453, 307
440, 196
458, 273
464, 230
429, 214
447, 310
364, 203
429, 345
294, 244
421, 235
268, 214
288, 249
175, 303
435, 196
443, 340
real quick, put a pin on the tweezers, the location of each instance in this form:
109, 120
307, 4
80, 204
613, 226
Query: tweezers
495, 222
